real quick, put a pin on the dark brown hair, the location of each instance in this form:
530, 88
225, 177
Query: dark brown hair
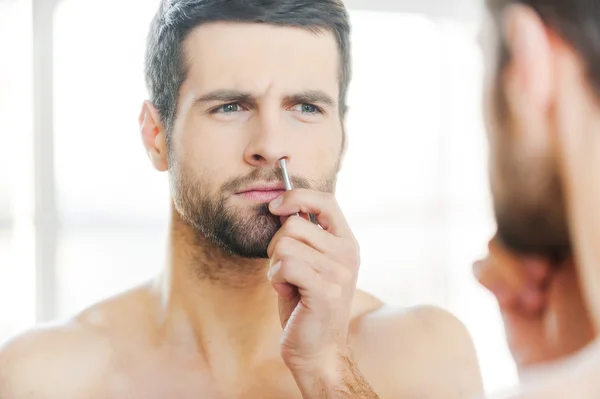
175, 19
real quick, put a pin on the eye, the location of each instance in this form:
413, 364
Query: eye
228, 109
306, 108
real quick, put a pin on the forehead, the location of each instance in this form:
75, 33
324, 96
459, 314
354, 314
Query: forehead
258, 57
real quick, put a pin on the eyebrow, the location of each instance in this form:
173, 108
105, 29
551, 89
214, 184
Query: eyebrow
235, 96
311, 96
226, 96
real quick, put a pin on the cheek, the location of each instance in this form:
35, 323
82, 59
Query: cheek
201, 165
323, 151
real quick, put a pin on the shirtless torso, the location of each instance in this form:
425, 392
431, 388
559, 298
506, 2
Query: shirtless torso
113, 351
267, 88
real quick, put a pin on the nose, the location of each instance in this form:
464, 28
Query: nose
268, 142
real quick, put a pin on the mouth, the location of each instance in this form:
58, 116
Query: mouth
262, 193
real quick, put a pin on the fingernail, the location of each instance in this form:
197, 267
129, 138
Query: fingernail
272, 270
276, 203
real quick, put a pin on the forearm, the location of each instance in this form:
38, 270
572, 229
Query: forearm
340, 380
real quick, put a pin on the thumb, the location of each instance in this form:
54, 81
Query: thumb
289, 297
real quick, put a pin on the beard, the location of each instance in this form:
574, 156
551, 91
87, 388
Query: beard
241, 232
529, 201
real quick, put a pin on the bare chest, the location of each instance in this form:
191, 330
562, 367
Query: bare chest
173, 383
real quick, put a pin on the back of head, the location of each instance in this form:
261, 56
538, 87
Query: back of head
523, 94
175, 19
576, 21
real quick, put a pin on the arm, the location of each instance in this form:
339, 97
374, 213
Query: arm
341, 380
419, 353
314, 269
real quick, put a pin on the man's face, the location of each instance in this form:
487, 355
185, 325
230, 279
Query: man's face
260, 93
527, 191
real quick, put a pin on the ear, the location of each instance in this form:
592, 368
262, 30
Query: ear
528, 77
153, 136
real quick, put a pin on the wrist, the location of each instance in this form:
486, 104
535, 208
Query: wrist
322, 376
332, 377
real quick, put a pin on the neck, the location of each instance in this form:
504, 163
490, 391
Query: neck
216, 304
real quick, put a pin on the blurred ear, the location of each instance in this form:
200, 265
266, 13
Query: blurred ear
153, 136
528, 76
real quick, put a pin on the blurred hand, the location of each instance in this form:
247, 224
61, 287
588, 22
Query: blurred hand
541, 303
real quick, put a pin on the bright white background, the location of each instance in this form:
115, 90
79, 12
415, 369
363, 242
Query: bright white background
413, 185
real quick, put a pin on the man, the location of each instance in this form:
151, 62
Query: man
543, 84
255, 302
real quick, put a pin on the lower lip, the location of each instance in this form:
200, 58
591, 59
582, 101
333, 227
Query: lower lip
262, 196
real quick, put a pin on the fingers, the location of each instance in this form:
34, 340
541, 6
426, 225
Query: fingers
315, 267
294, 272
289, 298
293, 253
289, 295
306, 232
293, 278
323, 205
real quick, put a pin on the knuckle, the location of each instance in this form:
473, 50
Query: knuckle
284, 247
286, 267
292, 226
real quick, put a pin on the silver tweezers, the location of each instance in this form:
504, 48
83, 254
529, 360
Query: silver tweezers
286, 177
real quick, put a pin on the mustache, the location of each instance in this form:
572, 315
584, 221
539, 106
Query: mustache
265, 175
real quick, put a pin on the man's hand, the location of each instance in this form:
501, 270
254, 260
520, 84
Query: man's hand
314, 270
541, 303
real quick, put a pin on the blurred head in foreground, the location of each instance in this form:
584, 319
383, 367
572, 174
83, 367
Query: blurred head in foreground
542, 84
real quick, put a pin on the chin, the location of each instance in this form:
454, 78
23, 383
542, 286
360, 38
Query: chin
250, 232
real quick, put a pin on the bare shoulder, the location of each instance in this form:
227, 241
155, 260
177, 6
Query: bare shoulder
66, 360
52, 361
425, 352
423, 323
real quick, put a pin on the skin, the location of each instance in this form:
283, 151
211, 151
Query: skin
551, 309
216, 325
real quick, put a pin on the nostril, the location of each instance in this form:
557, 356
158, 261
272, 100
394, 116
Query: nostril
257, 157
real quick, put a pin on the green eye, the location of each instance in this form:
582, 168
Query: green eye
230, 108
309, 109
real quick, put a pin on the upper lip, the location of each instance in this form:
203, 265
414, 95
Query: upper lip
263, 187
